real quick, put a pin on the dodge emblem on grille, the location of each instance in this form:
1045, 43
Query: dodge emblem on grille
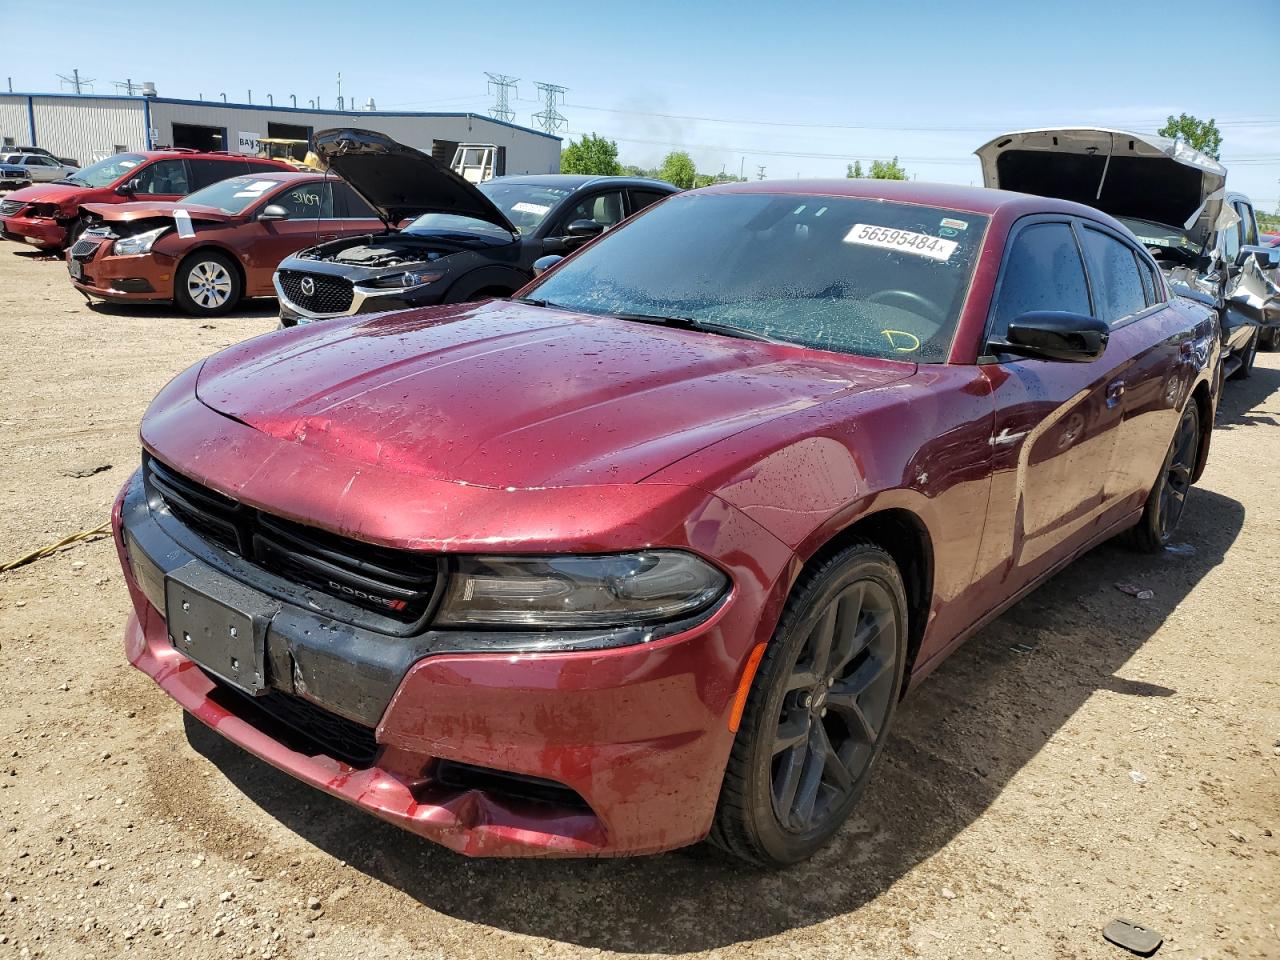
308, 287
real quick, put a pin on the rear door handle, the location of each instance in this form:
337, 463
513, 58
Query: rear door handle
1115, 391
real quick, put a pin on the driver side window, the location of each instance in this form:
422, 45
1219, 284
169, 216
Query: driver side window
604, 208
1042, 271
163, 178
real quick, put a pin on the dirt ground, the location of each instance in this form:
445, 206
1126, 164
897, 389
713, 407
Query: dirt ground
1090, 755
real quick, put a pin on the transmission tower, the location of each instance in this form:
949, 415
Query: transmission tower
502, 87
551, 119
76, 81
126, 86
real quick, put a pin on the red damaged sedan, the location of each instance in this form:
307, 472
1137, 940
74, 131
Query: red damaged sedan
651, 552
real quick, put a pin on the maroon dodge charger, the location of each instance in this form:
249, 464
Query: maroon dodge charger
651, 552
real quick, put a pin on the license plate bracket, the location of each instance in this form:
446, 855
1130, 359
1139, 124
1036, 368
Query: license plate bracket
220, 624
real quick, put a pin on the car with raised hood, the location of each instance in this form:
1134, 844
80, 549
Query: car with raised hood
652, 551
465, 241
1174, 199
50, 216
211, 249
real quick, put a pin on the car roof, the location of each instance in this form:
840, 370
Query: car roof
948, 196
575, 181
283, 176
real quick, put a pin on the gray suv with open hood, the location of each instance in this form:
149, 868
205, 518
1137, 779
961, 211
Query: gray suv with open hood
446, 240
1174, 200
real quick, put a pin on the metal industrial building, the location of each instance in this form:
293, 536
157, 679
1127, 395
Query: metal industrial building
88, 127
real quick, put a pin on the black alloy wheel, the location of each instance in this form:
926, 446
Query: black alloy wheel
818, 712
1168, 497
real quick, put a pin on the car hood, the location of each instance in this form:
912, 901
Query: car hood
513, 396
60, 193
1121, 173
399, 181
147, 210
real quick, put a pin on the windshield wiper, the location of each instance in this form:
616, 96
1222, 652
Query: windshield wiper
535, 302
73, 181
704, 326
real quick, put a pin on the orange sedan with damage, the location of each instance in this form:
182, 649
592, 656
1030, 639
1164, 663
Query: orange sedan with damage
215, 247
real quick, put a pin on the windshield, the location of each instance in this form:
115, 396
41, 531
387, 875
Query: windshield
525, 204
233, 196
106, 172
1158, 234
858, 276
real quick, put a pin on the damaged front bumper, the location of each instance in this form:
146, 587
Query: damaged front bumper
591, 752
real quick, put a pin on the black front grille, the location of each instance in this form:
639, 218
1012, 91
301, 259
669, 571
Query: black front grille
10, 207
317, 728
84, 248
328, 294
395, 583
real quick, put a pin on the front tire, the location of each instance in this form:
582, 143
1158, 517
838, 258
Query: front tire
1168, 497
206, 284
819, 711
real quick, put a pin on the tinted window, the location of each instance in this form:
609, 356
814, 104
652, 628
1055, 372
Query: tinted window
643, 198
1042, 271
349, 204
206, 172
255, 166
852, 275
307, 201
1113, 270
163, 177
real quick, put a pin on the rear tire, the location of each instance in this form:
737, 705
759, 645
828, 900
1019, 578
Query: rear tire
1167, 499
819, 710
1272, 341
206, 284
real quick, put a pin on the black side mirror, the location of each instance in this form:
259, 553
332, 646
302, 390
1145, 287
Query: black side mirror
1055, 335
1268, 257
543, 264
273, 211
584, 229
129, 187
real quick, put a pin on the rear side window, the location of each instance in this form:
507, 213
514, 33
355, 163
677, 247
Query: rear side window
347, 203
1041, 272
643, 198
1118, 289
255, 166
207, 172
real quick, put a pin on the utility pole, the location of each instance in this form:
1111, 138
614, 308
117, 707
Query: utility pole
502, 87
76, 81
340, 103
551, 119
760, 172
126, 85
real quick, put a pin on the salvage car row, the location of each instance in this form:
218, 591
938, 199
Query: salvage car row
650, 550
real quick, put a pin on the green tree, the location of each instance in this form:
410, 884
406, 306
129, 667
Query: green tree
853, 171
1203, 135
887, 170
677, 168
591, 155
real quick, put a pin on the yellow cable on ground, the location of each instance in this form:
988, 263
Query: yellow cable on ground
52, 548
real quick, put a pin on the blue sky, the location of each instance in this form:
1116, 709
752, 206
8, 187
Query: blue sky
800, 88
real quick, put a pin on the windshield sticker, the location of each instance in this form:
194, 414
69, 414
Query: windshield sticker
535, 208
904, 241
954, 224
182, 220
256, 189
128, 164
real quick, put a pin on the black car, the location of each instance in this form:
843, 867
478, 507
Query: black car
465, 241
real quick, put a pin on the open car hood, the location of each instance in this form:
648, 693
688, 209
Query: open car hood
1121, 173
401, 182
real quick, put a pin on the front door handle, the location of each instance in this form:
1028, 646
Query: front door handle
1115, 392
325, 237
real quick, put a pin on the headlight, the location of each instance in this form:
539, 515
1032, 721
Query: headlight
137, 244
625, 589
399, 281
